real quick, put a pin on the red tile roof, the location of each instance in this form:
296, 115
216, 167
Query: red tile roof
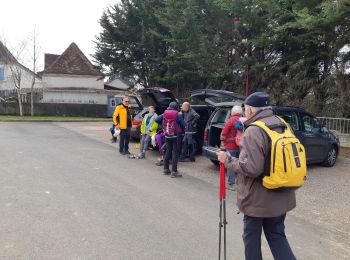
72, 61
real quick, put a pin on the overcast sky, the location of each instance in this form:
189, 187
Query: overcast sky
57, 22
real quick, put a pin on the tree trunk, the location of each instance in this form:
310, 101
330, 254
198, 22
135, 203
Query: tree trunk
31, 103
20, 103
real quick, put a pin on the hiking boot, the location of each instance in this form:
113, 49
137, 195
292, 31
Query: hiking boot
160, 163
175, 174
230, 186
166, 172
140, 156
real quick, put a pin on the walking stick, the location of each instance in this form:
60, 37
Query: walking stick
222, 214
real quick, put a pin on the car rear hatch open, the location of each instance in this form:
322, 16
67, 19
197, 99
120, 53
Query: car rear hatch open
160, 98
217, 98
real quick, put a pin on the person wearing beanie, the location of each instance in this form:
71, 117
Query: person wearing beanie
228, 140
263, 208
172, 124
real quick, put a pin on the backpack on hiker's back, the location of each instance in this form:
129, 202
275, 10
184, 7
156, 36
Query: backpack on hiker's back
287, 160
169, 123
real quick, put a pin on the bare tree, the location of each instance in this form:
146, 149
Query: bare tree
19, 73
34, 58
16, 71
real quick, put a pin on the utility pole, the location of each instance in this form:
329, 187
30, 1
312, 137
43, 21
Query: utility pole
249, 54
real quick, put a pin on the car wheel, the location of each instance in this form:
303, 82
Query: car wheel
331, 157
215, 162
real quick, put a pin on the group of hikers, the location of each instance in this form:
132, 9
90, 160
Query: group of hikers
173, 133
248, 145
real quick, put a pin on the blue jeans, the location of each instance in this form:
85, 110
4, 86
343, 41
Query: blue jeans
112, 130
112, 133
231, 175
275, 236
145, 142
188, 146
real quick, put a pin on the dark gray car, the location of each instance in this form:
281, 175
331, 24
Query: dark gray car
322, 146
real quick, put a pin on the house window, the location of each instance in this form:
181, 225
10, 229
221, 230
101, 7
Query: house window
2, 73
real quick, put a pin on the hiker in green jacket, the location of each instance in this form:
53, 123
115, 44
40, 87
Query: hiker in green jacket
148, 129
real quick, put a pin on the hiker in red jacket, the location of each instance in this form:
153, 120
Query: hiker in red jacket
228, 139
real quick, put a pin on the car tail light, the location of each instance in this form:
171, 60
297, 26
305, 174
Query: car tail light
136, 122
206, 134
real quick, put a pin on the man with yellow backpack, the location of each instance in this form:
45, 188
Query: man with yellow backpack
271, 165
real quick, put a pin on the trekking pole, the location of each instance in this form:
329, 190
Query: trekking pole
222, 214
220, 226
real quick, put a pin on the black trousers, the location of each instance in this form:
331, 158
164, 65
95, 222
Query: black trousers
275, 236
171, 152
124, 140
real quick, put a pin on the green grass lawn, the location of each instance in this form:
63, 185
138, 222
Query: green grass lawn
50, 118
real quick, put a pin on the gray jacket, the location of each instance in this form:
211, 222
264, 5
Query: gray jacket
252, 198
191, 118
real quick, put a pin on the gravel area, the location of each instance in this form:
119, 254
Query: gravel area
345, 152
324, 200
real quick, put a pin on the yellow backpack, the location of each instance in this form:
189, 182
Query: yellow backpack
288, 159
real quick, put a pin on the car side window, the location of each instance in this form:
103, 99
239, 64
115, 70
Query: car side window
221, 117
311, 124
291, 118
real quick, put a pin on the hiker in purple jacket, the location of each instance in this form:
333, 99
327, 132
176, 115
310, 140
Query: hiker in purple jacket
173, 124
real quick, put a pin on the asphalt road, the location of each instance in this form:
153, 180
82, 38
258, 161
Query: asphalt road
64, 195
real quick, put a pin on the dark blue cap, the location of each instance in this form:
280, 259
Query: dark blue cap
258, 99
174, 105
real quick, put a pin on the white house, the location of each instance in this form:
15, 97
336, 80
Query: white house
72, 78
66, 78
10, 69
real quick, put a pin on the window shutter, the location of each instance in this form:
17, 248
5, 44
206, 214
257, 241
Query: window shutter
2, 73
